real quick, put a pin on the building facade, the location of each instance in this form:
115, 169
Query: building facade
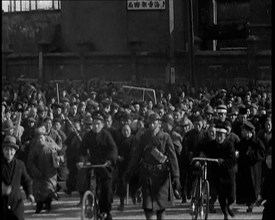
144, 42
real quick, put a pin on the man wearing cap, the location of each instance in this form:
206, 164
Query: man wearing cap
62, 170
42, 166
224, 173
209, 112
251, 154
13, 176
159, 163
27, 138
102, 148
221, 111
190, 148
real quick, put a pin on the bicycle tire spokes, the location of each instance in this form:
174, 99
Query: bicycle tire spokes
88, 209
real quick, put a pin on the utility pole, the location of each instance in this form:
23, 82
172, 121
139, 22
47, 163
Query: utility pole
171, 68
30, 5
192, 59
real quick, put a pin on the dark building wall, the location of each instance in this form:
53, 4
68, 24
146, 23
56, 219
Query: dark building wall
21, 31
99, 26
117, 44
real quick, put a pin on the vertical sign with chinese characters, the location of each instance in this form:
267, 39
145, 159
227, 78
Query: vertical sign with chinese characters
145, 4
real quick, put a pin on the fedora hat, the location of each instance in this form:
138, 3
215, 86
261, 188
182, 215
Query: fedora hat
8, 124
10, 141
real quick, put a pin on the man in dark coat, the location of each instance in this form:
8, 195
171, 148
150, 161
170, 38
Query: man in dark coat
102, 148
159, 166
191, 141
42, 165
248, 179
13, 175
224, 177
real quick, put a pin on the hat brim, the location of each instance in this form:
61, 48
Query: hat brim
6, 129
15, 146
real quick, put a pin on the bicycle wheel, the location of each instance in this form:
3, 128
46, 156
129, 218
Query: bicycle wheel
88, 207
204, 201
195, 199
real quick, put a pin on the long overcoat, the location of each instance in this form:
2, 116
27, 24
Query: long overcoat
248, 178
156, 184
42, 169
15, 175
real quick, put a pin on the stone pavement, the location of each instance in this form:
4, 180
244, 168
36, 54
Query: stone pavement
66, 209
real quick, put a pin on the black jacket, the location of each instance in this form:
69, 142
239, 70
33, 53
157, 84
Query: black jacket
15, 175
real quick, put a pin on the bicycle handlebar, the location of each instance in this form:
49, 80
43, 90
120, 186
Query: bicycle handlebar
89, 165
204, 159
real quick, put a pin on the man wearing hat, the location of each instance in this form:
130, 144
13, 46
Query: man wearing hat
27, 138
159, 163
221, 111
102, 148
224, 173
42, 166
209, 112
251, 154
13, 175
190, 149
62, 170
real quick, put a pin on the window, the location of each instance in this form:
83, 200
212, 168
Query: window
30, 5
222, 24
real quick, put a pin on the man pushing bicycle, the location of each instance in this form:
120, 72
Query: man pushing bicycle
224, 178
100, 147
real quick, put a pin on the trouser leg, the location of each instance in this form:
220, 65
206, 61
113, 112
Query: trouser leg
105, 198
161, 214
148, 214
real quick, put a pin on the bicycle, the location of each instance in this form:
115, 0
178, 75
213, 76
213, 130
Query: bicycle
200, 190
89, 204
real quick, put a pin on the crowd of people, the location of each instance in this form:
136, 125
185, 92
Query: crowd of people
148, 144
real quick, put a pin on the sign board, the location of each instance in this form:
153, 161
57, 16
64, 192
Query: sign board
145, 4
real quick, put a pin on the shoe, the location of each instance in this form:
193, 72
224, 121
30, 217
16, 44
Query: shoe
108, 217
39, 206
48, 206
230, 212
183, 200
249, 209
225, 217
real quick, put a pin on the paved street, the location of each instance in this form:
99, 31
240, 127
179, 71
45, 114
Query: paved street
66, 209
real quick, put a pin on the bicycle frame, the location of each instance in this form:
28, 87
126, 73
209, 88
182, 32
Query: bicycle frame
201, 189
89, 207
